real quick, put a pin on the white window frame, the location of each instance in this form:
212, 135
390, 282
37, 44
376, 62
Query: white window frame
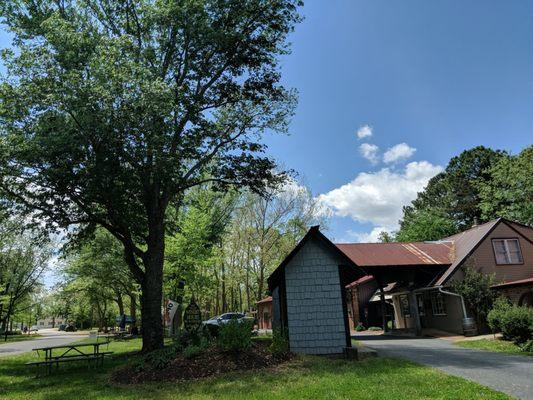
508, 251
437, 299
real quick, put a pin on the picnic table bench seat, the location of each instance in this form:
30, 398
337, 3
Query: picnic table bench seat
50, 359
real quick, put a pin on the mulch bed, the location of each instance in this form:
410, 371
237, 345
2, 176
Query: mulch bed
212, 362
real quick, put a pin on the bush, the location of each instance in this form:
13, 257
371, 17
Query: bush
157, 359
235, 336
517, 324
183, 339
374, 328
495, 316
280, 343
192, 351
360, 327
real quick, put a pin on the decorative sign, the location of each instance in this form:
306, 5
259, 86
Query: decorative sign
192, 317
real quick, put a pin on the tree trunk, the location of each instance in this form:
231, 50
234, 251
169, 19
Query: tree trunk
224, 301
152, 288
152, 323
133, 307
120, 304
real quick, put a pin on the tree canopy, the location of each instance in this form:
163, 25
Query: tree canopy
110, 111
451, 202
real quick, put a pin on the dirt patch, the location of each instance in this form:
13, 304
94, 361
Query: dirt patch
211, 363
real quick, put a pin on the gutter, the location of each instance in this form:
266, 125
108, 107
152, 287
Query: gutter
456, 295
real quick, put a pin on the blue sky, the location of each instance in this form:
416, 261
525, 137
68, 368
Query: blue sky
436, 77
440, 76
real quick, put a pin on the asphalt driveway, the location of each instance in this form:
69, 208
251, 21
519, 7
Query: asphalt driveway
50, 337
506, 373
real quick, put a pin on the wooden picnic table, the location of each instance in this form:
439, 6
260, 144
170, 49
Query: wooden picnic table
72, 352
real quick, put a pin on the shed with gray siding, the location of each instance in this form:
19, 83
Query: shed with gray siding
308, 296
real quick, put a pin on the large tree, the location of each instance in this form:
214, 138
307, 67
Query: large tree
509, 192
112, 109
451, 201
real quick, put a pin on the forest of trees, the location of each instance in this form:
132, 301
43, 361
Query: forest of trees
477, 186
224, 247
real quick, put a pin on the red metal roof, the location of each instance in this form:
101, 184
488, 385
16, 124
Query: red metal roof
395, 254
265, 300
521, 282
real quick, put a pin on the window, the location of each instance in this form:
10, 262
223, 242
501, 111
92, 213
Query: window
507, 251
404, 304
438, 304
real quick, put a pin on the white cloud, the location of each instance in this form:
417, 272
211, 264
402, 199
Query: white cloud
378, 197
370, 152
398, 152
364, 131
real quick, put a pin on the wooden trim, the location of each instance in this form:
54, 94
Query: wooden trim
508, 223
345, 310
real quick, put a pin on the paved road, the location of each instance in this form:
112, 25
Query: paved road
50, 337
506, 373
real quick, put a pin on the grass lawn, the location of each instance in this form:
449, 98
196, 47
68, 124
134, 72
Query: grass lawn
498, 345
19, 338
304, 378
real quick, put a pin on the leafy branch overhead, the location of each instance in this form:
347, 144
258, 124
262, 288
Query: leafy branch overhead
117, 100
111, 110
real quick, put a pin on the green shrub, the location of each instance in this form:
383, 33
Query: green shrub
183, 339
235, 336
360, 327
517, 324
157, 359
374, 328
280, 342
495, 316
192, 351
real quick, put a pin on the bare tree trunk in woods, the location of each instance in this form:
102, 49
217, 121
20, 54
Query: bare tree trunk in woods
248, 277
224, 301
120, 303
217, 297
240, 299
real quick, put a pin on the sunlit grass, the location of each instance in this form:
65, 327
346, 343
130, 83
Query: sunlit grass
497, 345
303, 378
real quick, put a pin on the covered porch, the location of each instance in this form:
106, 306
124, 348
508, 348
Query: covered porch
416, 304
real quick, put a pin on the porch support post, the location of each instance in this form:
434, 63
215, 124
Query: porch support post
413, 308
383, 306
